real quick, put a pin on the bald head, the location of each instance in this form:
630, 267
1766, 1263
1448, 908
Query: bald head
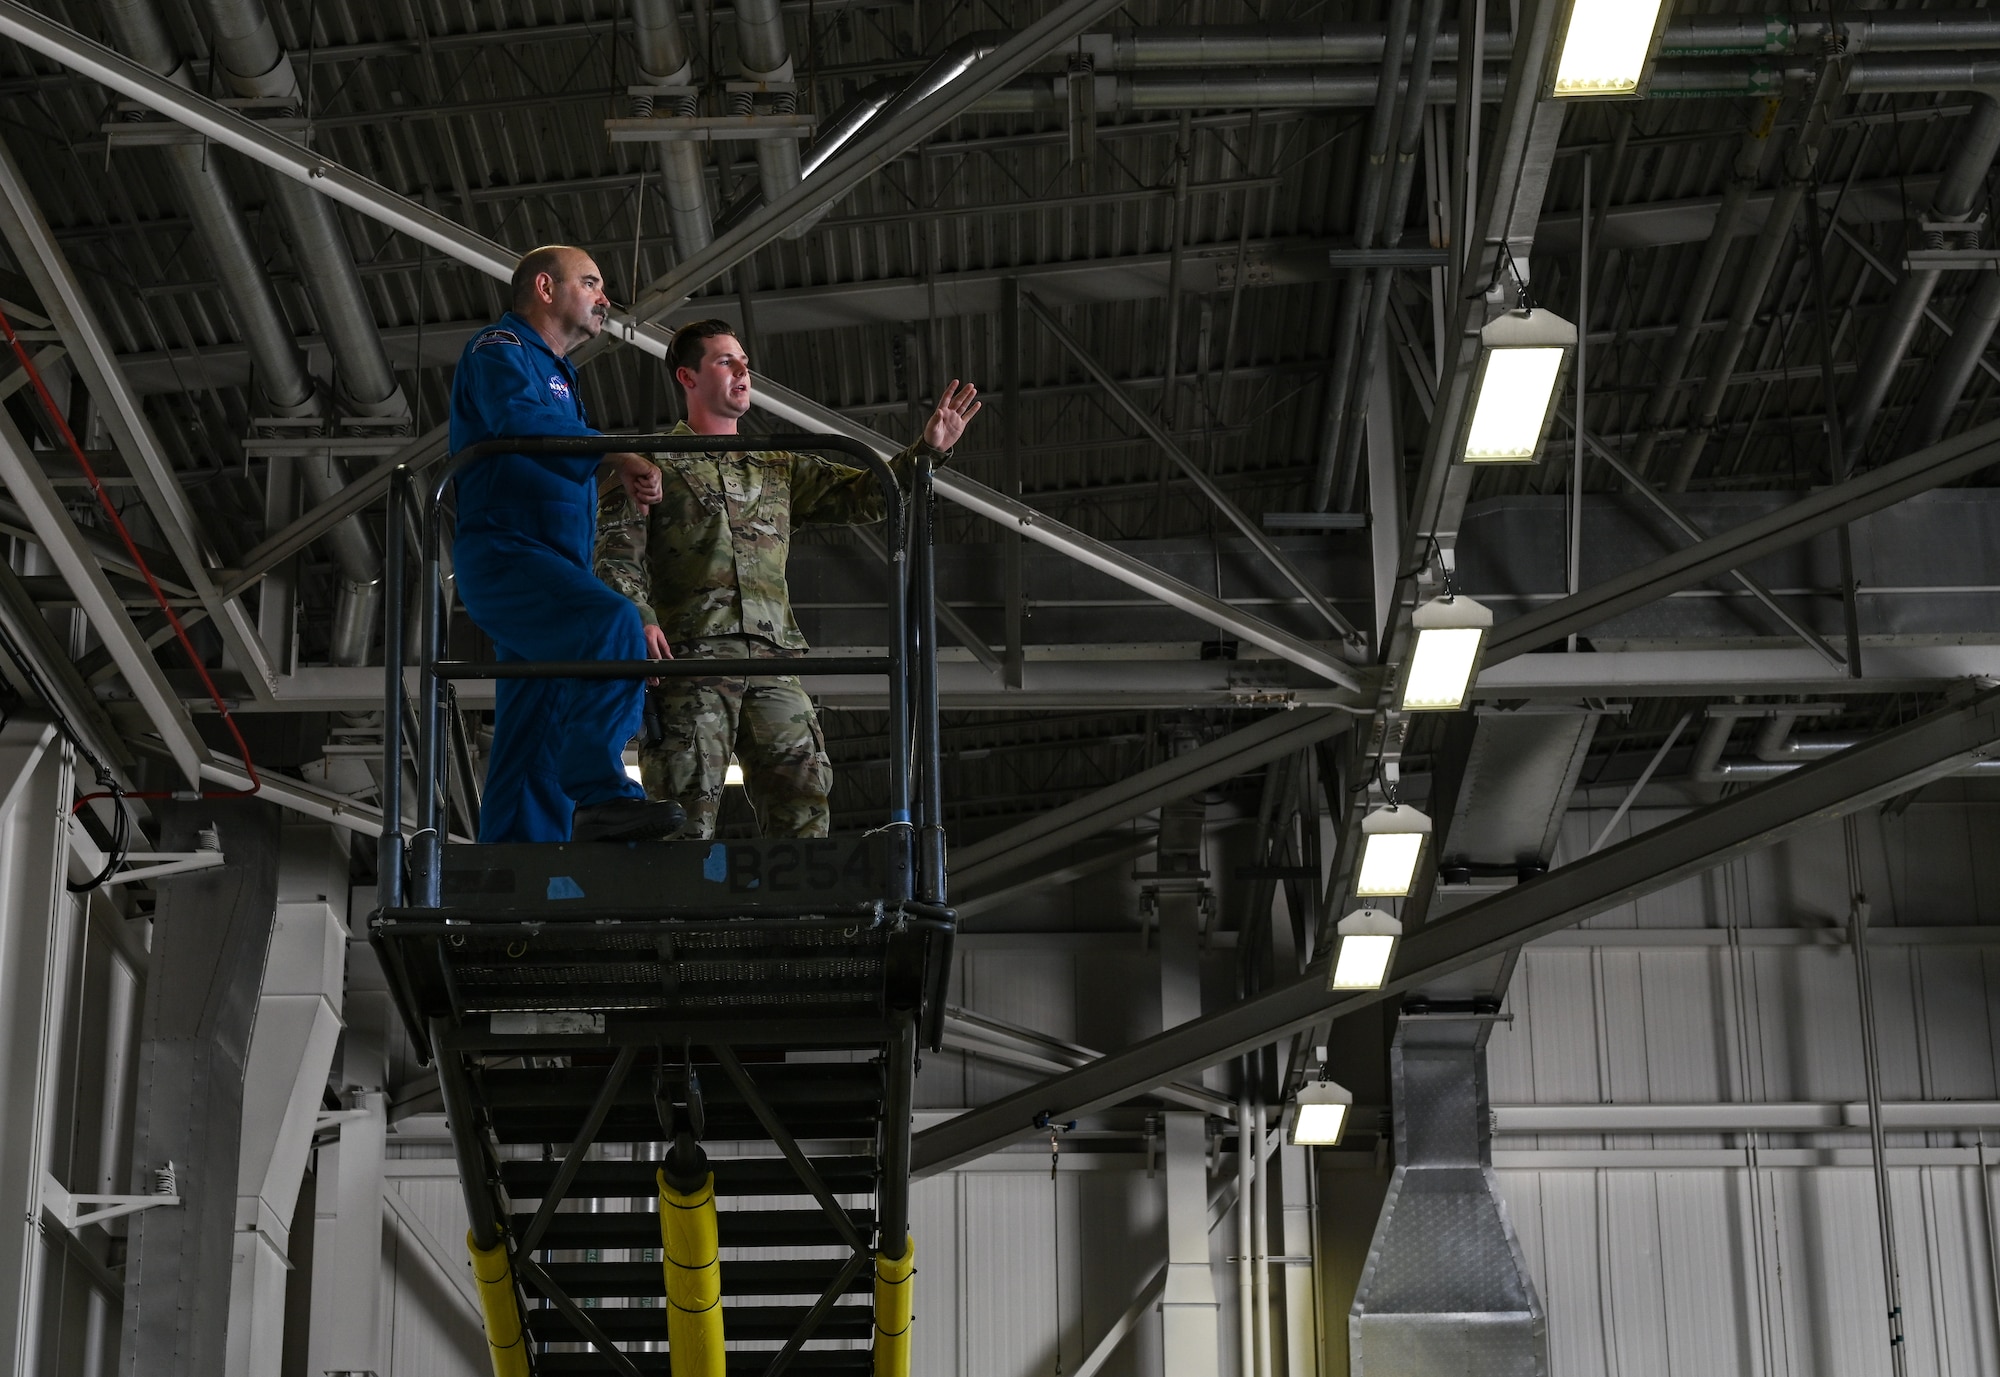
559, 290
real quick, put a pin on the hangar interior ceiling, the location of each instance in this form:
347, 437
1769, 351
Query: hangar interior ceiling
1190, 247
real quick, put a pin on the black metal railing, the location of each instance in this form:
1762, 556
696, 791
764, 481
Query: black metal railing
410, 868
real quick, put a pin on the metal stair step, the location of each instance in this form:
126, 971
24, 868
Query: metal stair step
636, 1124
602, 1179
631, 1324
738, 1229
782, 1084
822, 1362
787, 1277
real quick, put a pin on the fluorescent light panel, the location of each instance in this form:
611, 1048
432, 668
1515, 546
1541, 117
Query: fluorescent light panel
1363, 962
1605, 48
1441, 668
1512, 410
1388, 864
1319, 1125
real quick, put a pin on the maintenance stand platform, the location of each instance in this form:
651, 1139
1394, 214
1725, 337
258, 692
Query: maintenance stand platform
642, 1032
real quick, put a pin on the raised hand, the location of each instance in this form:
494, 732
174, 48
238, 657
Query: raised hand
955, 410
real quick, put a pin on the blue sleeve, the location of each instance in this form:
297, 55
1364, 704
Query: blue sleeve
500, 386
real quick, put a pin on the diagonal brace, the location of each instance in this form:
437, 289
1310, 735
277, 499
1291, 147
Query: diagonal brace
529, 1269
789, 1146
1693, 532
573, 1161
810, 1324
1252, 531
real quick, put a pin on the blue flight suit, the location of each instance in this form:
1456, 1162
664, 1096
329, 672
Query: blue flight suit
527, 528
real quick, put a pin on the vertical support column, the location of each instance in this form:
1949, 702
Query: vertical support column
1011, 423
1189, 1318
1188, 1312
291, 1050
211, 934
36, 926
347, 1244
1297, 1282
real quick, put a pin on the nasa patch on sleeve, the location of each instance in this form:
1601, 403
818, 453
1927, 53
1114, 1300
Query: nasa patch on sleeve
496, 336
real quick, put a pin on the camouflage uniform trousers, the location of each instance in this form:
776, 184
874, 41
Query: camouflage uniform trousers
768, 723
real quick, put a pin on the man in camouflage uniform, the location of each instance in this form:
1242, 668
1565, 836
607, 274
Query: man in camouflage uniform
707, 568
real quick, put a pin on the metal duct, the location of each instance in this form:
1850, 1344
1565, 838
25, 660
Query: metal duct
1743, 180
1367, 210
1774, 34
1972, 155
1509, 800
1777, 750
665, 60
1262, 45
1334, 87
281, 373
256, 64
765, 56
1951, 371
1395, 213
1800, 162
1445, 1290
211, 931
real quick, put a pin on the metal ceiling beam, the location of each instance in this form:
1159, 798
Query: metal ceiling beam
376, 201
1240, 519
93, 355
875, 147
25, 628
21, 472
1279, 734
1946, 462
1906, 758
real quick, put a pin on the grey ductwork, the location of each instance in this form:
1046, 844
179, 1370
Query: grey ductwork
218, 223
1972, 155
1445, 1290
1271, 45
765, 56
665, 60
281, 372
1290, 89
1801, 160
1778, 750
1951, 372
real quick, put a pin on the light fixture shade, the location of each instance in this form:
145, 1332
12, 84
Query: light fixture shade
1392, 840
1319, 1116
1522, 355
1366, 947
1451, 633
1607, 47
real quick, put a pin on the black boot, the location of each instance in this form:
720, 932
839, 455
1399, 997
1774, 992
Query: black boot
627, 820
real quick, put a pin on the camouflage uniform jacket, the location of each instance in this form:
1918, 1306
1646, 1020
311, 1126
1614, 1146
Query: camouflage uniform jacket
709, 559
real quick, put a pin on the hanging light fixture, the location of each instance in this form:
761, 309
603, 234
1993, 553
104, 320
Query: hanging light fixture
1392, 838
1522, 355
1319, 1115
1367, 941
1451, 633
1608, 47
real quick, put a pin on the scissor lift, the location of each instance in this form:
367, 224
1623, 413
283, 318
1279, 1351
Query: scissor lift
604, 1015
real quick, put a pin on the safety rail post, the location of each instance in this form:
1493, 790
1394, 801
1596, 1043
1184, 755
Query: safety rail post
427, 847
455, 1089
389, 847
892, 1207
930, 766
902, 825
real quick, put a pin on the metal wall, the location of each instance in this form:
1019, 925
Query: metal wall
1758, 1252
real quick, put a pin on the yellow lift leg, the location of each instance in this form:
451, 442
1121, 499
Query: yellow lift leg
895, 1308
494, 1275
690, 1251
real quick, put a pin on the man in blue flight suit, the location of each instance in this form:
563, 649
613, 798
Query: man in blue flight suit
526, 528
